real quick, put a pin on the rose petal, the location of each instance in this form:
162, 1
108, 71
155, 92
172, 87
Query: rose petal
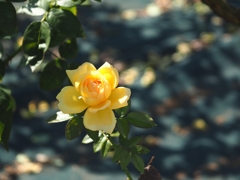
100, 106
119, 97
69, 101
101, 120
74, 74
110, 73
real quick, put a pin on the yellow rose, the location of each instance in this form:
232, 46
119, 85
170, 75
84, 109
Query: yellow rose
95, 90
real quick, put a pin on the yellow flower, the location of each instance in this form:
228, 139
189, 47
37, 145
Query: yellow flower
95, 90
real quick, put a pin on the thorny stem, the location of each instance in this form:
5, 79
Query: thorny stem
9, 58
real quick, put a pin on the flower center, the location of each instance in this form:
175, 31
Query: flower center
93, 85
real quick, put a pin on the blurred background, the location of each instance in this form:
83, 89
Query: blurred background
182, 63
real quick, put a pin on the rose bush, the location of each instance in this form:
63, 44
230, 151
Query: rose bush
96, 91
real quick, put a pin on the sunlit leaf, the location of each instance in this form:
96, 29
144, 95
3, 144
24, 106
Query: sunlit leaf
31, 10
138, 162
36, 38
8, 18
35, 60
105, 148
87, 139
69, 3
97, 146
74, 128
59, 117
53, 75
140, 119
94, 135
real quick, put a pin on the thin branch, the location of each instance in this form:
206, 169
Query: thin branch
53, 54
128, 174
9, 58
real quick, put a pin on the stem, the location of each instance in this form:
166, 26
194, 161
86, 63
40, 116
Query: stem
129, 177
9, 58
53, 54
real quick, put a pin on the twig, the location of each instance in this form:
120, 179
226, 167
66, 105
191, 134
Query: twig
9, 58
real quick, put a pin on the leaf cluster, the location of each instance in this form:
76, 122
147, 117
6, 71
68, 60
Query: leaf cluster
58, 28
124, 149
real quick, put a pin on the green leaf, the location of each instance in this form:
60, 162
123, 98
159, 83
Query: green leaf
132, 142
1, 50
18, 0
36, 38
56, 38
65, 23
31, 10
125, 159
33, 60
105, 148
94, 135
74, 128
140, 120
121, 112
123, 127
6, 111
138, 149
5, 89
138, 163
53, 75
2, 69
59, 117
97, 146
119, 151
68, 49
87, 139
8, 18
122, 140
69, 3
